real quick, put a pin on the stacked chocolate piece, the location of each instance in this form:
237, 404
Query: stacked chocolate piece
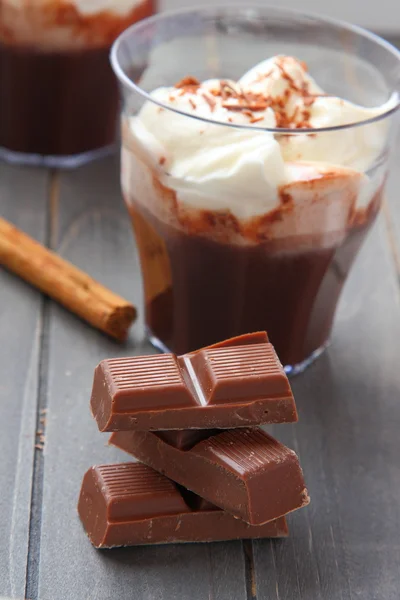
209, 473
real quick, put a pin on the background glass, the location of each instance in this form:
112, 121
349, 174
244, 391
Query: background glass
202, 284
59, 99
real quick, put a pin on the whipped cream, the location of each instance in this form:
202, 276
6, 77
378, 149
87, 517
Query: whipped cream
210, 165
85, 7
119, 7
242, 170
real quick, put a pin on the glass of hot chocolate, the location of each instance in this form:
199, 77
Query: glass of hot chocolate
59, 99
254, 158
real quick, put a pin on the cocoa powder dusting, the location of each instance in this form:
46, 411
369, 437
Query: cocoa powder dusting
286, 198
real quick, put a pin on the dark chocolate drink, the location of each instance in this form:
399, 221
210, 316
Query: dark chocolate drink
250, 200
56, 103
58, 94
199, 291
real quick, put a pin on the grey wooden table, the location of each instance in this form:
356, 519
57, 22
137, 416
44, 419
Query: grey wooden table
345, 545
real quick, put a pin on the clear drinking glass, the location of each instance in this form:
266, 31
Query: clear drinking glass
59, 99
215, 261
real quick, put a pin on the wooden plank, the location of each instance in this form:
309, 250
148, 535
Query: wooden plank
346, 544
94, 232
23, 201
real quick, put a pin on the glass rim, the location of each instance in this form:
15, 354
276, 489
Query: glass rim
393, 101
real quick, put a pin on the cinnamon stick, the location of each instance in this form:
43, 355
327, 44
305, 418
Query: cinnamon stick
65, 283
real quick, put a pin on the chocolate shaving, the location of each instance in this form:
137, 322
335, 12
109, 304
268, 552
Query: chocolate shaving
237, 99
250, 97
262, 76
227, 90
241, 107
286, 75
187, 82
295, 113
303, 89
210, 100
308, 101
225, 94
304, 65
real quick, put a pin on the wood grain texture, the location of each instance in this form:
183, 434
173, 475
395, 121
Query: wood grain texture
23, 201
346, 543
92, 230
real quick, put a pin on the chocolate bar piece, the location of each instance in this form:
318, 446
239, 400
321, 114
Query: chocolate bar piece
130, 504
222, 386
246, 472
256, 337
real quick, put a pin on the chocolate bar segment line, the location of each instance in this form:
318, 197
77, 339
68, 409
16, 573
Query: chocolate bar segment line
194, 381
111, 510
219, 387
246, 472
237, 373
